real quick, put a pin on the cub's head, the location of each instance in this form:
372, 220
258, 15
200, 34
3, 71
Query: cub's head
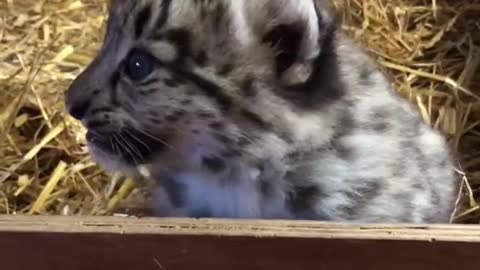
205, 80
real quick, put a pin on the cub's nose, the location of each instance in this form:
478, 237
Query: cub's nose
78, 109
77, 101
79, 96
83, 95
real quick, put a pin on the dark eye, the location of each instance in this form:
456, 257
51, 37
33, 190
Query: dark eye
139, 65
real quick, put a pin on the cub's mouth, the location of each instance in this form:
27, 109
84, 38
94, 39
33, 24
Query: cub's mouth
132, 146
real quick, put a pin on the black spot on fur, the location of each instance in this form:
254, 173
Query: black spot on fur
178, 79
142, 20
201, 58
244, 142
345, 127
405, 205
147, 92
223, 138
303, 198
286, 39
419, 156
361, 196
256, 119
399, 169
445, 162
286, 136
365, 73
266, 188
379, 114
180, 113
294, 156
342, 151
231, 153
156, 121
304, 193
380, 127
175, 191
186, 102
203, 12
214, 164
225, 69
346, 124
174, 117
435, 198
171, 82
218, 16
191, 92
418, 185
379, 120
217, 125
247, 87
154, 113
206, 115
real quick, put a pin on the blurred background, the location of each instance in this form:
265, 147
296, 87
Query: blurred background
430, 50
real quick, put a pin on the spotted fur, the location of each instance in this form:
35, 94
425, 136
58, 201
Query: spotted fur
257, 109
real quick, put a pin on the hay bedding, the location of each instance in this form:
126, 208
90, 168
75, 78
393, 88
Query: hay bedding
431, 50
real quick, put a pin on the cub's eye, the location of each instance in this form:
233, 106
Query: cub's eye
139, 65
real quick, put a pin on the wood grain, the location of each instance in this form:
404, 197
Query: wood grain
50, 243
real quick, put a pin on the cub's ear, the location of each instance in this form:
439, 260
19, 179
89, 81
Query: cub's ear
295, 30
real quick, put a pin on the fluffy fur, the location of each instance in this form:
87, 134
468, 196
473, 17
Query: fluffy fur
257, 109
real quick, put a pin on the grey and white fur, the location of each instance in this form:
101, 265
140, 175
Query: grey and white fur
258, 109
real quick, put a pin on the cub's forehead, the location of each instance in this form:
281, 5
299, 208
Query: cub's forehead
195, 13
165, 12
183, 10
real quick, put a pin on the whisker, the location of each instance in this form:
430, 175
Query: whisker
152, 137
246, 137
136, 138
114, 146
132, 147
122, 146
241, 136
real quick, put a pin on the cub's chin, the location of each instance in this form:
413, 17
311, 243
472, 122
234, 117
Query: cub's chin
111, 162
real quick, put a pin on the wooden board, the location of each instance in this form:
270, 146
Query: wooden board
51, 243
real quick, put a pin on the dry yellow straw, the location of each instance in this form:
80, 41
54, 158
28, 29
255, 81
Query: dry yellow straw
57, 175
127, 187
34, 151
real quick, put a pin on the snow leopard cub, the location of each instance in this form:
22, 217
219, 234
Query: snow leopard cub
257, 109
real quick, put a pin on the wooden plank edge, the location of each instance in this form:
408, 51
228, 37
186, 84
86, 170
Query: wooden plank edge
241, 228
